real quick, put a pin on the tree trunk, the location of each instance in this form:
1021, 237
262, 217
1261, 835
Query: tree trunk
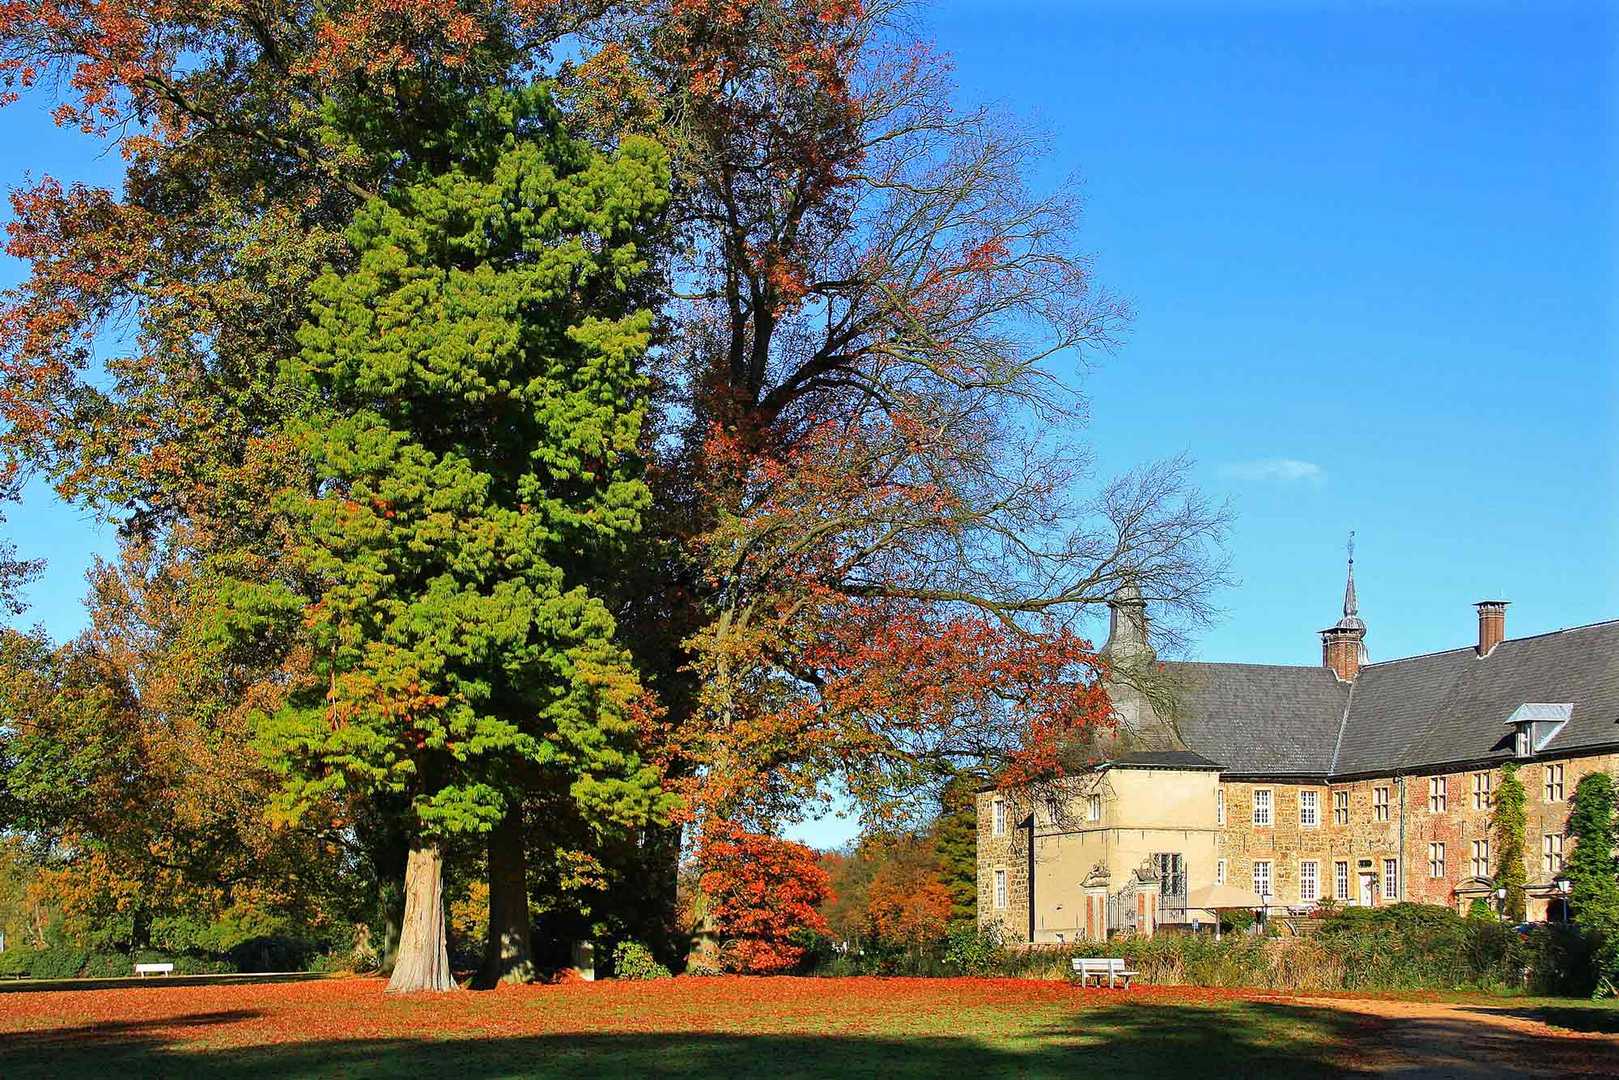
424, 957
391, 901
509, 952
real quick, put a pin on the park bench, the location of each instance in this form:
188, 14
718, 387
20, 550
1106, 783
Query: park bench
1093, 969
144, 970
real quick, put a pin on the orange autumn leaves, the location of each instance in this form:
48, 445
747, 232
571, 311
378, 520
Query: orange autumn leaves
764, 896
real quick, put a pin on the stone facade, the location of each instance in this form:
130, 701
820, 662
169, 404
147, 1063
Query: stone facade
1332, 756
1349, 828
1368, 836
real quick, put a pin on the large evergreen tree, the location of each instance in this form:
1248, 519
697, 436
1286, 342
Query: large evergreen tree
955, 842
473, 408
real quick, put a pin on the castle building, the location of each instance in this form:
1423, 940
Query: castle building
1281, 786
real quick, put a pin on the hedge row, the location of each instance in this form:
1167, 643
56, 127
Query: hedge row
67, 962
1401, 947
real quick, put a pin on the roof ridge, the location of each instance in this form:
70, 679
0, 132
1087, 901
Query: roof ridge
1343, 722
1504, 641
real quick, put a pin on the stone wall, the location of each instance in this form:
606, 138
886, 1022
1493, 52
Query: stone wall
1008, 852
1286, 842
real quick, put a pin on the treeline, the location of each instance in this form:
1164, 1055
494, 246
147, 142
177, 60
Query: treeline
545, 443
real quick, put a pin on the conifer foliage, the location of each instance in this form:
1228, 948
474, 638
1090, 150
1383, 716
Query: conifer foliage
473, 410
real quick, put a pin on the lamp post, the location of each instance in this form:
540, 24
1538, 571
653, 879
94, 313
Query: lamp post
1501, 903
1564, 887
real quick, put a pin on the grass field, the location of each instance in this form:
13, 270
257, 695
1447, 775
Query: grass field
780, 1028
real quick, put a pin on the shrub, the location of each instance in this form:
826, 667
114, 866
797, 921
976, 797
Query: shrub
58, 962
974, 950
273, 953
633, 960
108, 965
16, 963
189, 964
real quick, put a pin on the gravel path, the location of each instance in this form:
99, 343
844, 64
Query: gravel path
1437, 1041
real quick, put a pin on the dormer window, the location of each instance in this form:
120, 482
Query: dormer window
1536, 723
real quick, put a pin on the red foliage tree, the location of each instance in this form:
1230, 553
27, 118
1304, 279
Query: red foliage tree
760, 892
872, 468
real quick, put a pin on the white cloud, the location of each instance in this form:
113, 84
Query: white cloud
1277, 470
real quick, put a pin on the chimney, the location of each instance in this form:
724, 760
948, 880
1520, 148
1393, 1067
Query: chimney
1342, 649
1492, 625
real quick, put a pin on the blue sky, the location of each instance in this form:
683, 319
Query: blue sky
1372, 254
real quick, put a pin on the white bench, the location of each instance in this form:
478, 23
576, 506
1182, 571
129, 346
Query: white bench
1092, 969
144, 970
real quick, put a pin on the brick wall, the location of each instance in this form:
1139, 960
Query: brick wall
1286, 842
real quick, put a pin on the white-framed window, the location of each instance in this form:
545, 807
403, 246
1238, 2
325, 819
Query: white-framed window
1554, 783
1219, 806
1219, 871
1551, 849
1380, 804
1391, 879
1436, 795
1436, 860
1482, 790
1000, 890
1340, 808
1309, 809
1093, 808
1481, 858
997, 823
1262, 878
1309, 881
1261, 806
1340, 879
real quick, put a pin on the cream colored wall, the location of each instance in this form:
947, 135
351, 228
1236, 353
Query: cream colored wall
1144, 812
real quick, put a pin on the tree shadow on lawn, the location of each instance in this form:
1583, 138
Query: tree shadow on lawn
1593, 1017
1116, 1041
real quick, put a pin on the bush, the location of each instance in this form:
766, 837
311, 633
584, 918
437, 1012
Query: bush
974, 950
1561, 960
59, 962
273, 953
189, 964
108, 965
1401, 947
16, 963
632, 960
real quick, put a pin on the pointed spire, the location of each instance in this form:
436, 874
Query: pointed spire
1349, 589
1343, 645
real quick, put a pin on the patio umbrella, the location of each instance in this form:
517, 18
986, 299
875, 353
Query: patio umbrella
1218, 898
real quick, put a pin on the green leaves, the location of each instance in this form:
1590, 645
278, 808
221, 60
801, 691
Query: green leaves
475, 405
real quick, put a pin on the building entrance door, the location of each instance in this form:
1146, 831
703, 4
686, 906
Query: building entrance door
1368, 890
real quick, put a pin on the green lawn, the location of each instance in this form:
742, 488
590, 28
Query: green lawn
778, 1028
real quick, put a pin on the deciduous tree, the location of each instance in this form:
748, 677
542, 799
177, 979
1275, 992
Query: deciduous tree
873, 467
762, 894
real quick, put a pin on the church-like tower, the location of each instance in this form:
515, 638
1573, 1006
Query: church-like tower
1343, 645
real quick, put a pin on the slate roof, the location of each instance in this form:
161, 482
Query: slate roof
1163, 759
1442, 709
1263, 719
